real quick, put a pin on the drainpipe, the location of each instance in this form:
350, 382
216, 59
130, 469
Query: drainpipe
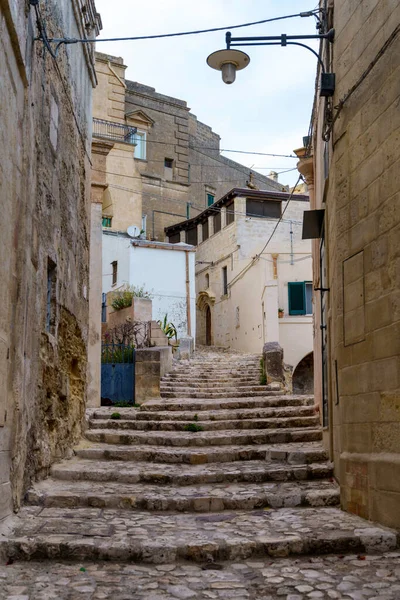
291, 243
188, 317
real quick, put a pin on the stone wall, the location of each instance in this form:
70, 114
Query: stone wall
44, 251
150, 366
362, 227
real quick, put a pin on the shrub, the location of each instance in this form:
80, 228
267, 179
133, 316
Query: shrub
123, 298
115, 415
193, 427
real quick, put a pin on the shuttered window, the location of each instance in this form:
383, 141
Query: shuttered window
230, 213
269, 208
191, 236
217, 222
204, 226
300, 298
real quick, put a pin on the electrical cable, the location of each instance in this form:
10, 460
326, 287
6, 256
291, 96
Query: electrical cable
257, 256
184, 33
215, 209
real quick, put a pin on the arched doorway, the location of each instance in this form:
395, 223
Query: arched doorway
208, 326
303, 376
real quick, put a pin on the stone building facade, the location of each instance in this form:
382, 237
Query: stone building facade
178, 169
239, 298
353, 176
45, 120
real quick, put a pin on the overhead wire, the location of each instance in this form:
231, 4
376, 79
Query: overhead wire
258, 255
184, 33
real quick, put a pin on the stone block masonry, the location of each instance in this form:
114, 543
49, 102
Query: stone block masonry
44, 232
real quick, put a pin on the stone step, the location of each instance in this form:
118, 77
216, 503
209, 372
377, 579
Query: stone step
176, 384
185, 376
196, 498
213, 415
188, 393
272, 400
84, 534
254, 471
291, 453
206, 425
216, 389
205, 438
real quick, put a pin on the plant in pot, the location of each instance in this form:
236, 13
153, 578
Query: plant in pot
281, 312
170, 331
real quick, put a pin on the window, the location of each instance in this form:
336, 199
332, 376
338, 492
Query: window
51, 305
266, 209
114, 265
230, 212
174, 238
191, 235
207, 281
104, 308
139, 138
168, 168
217, 222
210, 199
300, 298
106, 221
204, 227
224, 281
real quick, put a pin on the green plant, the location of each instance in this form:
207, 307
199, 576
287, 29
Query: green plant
123, 298
168, 328
193, 427
123, 404
115, 415
196, 418
112, 354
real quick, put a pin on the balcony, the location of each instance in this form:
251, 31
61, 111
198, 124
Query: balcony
114, 131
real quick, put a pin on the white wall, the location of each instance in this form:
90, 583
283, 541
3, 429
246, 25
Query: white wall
115, 247
161, 269
257, 291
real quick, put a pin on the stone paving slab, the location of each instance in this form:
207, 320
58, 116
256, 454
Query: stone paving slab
143, 472
349, 577
213, 415
206, 425
137, 536
205, 438
196, 498
292, 453
270, 400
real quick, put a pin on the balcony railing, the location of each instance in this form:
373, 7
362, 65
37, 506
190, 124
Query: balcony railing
114, 131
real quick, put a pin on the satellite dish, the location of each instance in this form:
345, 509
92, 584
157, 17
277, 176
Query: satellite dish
133, 231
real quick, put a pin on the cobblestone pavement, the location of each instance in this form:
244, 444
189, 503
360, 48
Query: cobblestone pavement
351, 577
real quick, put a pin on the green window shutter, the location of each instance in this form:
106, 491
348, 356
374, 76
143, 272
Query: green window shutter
210, 199
297, 298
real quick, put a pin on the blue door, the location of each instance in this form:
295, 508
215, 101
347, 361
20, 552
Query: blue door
117, 373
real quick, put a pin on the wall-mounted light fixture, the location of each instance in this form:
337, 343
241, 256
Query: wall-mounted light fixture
229, 61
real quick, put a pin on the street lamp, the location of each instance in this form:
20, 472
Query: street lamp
229, 61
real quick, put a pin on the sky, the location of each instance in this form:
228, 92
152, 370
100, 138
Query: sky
267, 109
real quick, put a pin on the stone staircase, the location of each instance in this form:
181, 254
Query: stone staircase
203, 475
216, 377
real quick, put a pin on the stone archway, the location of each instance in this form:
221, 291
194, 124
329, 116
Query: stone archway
303, 376
204, 330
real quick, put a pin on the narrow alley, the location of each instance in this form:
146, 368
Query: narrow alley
220, 489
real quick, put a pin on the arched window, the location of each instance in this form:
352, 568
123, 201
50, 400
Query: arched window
207, 281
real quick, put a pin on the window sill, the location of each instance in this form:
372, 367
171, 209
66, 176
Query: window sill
295, 319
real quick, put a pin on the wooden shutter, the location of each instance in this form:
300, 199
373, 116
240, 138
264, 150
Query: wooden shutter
297, 298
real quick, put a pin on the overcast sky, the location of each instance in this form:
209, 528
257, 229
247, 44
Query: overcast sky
268, 107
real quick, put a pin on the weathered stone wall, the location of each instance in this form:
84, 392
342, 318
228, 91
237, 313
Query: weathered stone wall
44, 188
362, 238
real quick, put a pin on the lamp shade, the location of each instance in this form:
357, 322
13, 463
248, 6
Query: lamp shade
228, 61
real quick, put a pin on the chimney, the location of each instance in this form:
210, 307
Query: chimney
273, 175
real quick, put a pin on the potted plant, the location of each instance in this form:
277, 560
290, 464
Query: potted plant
281, 312
171, 332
